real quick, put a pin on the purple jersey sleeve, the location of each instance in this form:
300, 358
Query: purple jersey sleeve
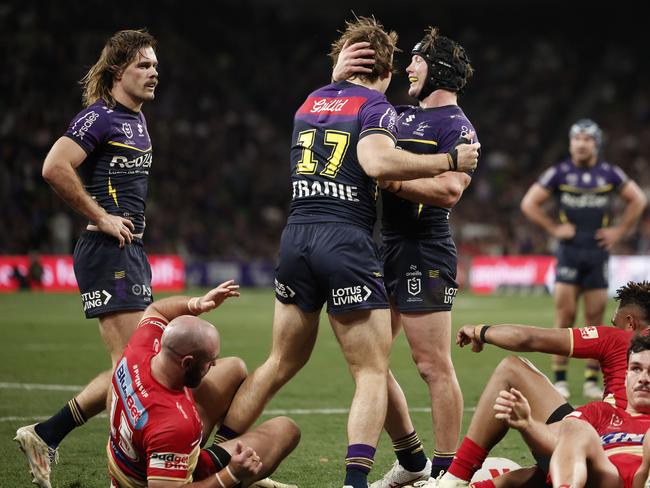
457, 127
377, 116
619, 178
89, 128
550, 178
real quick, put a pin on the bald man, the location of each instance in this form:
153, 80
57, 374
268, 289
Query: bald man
170, 390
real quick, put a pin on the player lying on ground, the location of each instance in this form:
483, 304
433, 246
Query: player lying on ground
599, 444
606, 344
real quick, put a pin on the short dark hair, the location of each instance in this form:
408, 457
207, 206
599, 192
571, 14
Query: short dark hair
635, 293
639, 343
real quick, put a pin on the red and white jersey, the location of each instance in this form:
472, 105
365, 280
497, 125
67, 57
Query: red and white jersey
155, 431
621, 435
609, 346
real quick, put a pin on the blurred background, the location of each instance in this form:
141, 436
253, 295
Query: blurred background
232, 73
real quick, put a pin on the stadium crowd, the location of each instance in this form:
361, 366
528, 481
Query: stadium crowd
222, 117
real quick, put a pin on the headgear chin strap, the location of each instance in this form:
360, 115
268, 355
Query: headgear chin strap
445, 70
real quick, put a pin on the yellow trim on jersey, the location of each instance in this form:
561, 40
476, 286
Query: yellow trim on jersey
571, 341
563, 218
119, 144
575, 189
610, 399
115, 471
112, 192
421, 141
635, 450
420, 207
392, 136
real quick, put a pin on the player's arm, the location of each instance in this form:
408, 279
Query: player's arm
380, 159
59, 170
531, 206
512, 407
513, 337
244, 465
443, 190
354, 59
635, 203
172, 307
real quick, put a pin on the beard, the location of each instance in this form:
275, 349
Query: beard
193, 376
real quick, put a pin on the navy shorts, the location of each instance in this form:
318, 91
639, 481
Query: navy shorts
329, 262
420, 273
111, 279
584, 267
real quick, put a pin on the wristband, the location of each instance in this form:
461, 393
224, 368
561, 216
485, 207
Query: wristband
453, 164
234, 478
216, 475
482, 334
193, 307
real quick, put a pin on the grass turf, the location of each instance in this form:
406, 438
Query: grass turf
46, 340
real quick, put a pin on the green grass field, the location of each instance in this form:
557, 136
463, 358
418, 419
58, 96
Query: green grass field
46, 341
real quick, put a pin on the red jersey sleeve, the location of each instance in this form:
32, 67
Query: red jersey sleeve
597, 414
171, 453
593, 342
148, 333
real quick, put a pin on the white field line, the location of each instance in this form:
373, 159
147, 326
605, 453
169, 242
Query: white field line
271, 412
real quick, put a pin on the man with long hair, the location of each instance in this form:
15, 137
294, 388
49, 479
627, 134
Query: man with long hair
100, 168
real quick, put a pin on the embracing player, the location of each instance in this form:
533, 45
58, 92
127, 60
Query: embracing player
419, 253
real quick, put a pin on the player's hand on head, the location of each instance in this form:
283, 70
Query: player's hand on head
118, 227
354, 59
513, 408
244, 462
465, 153
218, 295
564, 231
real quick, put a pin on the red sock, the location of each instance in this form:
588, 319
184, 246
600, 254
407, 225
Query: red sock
468, 459
483, 484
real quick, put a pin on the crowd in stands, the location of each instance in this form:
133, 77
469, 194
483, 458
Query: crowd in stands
221, 121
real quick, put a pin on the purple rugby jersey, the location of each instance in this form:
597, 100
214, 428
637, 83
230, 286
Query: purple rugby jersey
328, 183
423, 131
116, 170
584, 196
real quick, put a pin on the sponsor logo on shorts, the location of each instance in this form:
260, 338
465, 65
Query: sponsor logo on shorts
143, 290
434, 273
169, 460
589, 332
94, 299
566, 273
120, 275
283, 290
133, 407
350, 294
450, 294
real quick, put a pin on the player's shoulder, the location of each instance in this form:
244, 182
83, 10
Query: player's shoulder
92, 118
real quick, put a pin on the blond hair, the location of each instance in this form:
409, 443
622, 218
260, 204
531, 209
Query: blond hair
119, 51
384, 44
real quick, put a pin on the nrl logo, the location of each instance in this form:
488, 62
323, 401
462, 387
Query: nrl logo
414, 286
126, 128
